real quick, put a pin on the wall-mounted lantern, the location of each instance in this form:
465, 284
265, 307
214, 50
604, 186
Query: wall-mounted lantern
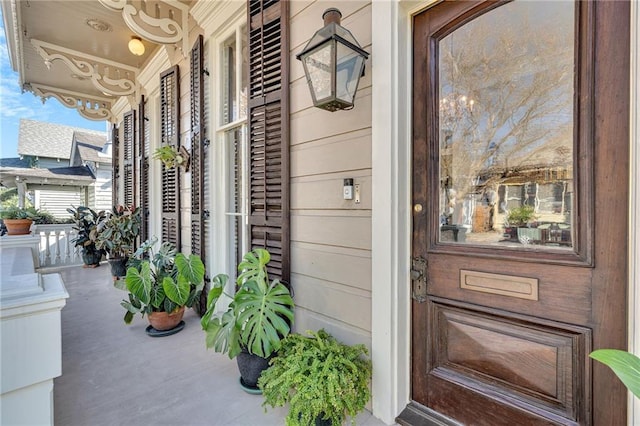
333, 63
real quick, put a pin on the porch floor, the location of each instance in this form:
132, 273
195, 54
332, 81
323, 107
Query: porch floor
114, 374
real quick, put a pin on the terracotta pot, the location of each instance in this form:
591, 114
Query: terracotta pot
18, 226
166, 321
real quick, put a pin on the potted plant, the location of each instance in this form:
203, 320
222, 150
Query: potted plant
161, 285
253, 325
517, 218
521, 216
18, 220
86, 221
117, 236
172, 157
322, 379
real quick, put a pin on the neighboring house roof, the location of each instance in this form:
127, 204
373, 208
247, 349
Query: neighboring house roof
38, 138
80, 147
13, 169
14, 163
90, 148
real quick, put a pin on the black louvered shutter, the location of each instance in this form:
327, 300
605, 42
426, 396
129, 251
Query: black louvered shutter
143, 169
115, 164
269, 131
128, 163
198, 152
197, 149
170, 135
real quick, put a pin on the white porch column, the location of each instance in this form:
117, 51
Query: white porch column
391, 218
22, 190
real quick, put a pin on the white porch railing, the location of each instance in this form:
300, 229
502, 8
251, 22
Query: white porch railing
56, 249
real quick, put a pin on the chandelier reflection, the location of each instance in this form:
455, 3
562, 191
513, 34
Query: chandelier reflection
455, 107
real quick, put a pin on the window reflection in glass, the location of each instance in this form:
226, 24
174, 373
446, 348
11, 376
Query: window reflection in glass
506, 128
229, 104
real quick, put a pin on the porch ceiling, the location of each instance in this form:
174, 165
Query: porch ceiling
77, 51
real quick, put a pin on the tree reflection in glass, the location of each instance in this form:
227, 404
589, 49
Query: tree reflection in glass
506, 91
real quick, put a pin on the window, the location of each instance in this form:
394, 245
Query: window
231, 134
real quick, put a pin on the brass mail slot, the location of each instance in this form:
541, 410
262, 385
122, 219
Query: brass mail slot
505, 285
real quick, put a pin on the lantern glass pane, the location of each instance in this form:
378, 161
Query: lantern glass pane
348, 72
318, 65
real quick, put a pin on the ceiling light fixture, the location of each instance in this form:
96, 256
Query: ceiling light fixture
135, 46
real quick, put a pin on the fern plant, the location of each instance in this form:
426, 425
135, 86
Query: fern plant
320, 378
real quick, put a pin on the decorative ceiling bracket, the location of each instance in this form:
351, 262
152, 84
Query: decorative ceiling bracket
111, 78
90, 107
159, 21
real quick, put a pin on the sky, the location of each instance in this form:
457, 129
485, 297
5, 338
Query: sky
15, 105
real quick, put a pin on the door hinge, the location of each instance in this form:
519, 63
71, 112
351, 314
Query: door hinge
419, 279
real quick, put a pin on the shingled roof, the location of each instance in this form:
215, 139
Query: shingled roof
37, 138
89, 146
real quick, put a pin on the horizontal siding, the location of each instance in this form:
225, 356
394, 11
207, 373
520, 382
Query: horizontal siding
91, 197
313, 123
342, 153
339, 229
102, 190
339, 302
346, 266
310, 320
57, 202
319, 192
50, 163
331, 237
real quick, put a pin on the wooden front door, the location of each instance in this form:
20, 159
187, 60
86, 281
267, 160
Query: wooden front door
520, 188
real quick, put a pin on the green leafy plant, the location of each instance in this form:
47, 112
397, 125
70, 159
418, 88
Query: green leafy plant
162, 281
520, 216
624, 364
86, 221
20, 213
118, 232
171, 157
319, 377
259, 315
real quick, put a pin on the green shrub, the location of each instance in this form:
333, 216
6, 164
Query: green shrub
521, 215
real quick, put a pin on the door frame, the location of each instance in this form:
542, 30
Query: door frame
391, 221
634, 203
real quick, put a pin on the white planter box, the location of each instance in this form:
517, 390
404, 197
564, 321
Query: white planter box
31, 341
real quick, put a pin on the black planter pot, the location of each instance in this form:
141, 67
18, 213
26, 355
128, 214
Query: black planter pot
118, 266
251, 367
91, 257
322, 422
319, 421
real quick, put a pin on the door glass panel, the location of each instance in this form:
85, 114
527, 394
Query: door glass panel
505, 128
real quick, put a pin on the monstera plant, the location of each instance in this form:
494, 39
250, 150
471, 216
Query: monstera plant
253, 325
